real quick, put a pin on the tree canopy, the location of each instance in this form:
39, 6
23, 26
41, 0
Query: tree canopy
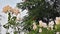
38, 10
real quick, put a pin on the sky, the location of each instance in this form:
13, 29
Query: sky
4, 19
3, 3
8, 2
12, 3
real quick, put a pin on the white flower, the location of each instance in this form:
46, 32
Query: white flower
50, 28
57, 18
50, 25
34, 23
44, 25
57, 21
34, 26
40, 23
40, 30
57, 32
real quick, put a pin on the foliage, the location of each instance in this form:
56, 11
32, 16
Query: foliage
11, 22
38, 10
57, 27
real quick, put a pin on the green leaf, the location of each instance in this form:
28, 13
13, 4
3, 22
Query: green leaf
15, 32
7, 33
57, 27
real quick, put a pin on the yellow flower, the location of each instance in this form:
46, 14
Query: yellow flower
15, 11
34, 26
6, 9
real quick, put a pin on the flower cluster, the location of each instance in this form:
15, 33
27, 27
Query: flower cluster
49, 27
6, 8
44, 25
10, 9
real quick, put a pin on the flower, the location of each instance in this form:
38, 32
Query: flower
57, 21
15, 11
18, 19
42, 24
40, 30
57, 18
6, 9
57, 32
34, 26
12, 10
50, 25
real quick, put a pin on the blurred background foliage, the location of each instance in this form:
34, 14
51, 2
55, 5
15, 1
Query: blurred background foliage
39, 10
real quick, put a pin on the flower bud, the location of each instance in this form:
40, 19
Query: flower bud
34, 26
40, 30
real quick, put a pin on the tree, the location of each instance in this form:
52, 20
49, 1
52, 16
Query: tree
38, 10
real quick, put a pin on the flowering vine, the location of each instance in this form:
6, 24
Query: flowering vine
13, 20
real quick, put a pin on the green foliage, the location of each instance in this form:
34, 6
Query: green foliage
15, 32
9, 16
38, 9
44, 31
34, 31
7, 27
11, 23
7, 33
57, 27
29, 24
